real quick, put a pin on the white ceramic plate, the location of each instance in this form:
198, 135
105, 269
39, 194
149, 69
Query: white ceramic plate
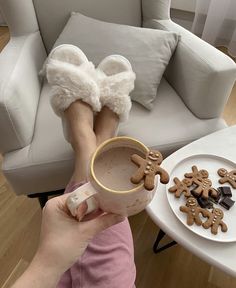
211, 163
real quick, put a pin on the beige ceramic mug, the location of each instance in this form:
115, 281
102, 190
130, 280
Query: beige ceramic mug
109, 180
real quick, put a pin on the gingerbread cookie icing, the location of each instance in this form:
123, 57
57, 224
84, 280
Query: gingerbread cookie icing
197, 175
148, 168
202, 197
226, 176
204, 189
215, 220
181, 187
193, 211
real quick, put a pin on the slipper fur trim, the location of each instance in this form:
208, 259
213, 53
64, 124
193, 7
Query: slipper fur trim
72, 83
115, 91
65, 53
62, 98
114, 64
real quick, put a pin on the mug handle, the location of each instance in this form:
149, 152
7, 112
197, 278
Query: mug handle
81, 194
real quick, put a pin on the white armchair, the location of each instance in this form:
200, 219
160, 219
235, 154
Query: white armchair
189, 101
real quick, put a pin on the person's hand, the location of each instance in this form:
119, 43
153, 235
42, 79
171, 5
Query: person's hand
63, 239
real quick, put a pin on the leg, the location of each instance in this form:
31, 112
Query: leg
79, 116
65, 281
105, 125
114, 246
80, 120
109, 259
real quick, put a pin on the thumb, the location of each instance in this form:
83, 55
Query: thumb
103, 222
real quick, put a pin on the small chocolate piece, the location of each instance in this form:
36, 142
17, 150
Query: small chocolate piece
216, 199
205, 203
225, 190
194, 193
227, 203
204, 188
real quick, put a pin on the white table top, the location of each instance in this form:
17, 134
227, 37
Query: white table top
222, 255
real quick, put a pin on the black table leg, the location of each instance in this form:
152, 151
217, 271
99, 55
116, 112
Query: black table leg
156, 248
43, 200
43, 197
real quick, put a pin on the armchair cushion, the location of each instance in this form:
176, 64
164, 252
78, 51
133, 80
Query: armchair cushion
202, 75
52, 15
148, 50
47, 163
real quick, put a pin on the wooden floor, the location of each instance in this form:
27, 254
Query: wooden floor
20, 220
4, 37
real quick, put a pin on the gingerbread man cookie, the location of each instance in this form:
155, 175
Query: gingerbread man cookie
197, 175
215, 220
148, 168
229, 177
181, 187
193, 211
204, 189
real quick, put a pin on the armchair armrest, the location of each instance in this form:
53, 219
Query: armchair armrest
20, 86
202, 75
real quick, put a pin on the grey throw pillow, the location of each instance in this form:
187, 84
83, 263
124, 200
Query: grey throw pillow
148, 50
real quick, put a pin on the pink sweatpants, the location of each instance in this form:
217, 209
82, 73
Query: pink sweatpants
108, 261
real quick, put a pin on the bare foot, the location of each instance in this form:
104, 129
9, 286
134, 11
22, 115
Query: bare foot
80, 120
106, 124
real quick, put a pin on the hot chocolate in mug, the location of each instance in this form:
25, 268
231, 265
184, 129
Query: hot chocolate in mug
109, 186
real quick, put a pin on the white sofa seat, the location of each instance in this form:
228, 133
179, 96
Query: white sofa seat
46, 164
169, 125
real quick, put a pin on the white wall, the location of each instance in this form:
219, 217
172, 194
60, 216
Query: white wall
187, 5
1, 20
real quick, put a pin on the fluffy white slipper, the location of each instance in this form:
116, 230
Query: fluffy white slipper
116, 80
71, 83
65, 53
72, 77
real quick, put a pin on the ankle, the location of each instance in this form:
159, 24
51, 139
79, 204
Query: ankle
84, 145
79, 116
101, 137
106, 124
77, 178
82, 162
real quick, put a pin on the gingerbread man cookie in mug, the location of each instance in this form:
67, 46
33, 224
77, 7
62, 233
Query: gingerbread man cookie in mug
226, 176
148, 168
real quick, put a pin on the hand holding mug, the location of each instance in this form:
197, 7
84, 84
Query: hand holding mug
60, 232
110, 173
